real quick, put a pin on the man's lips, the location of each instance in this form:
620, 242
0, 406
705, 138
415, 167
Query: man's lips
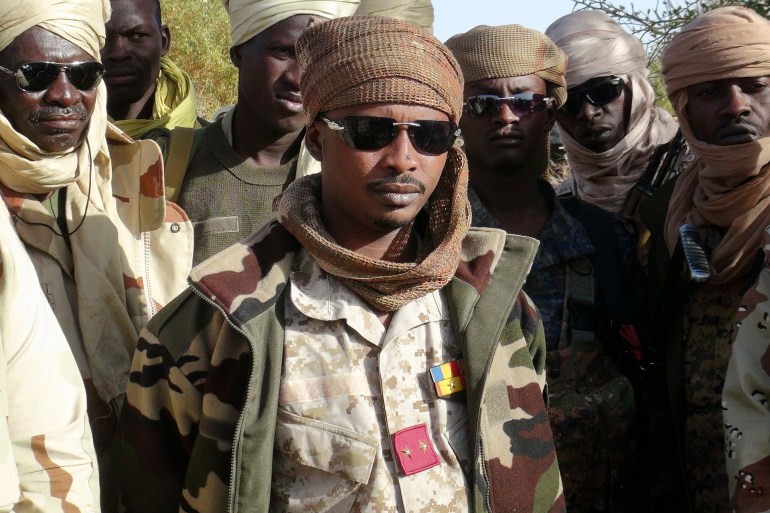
506, 136
733, 134
119, 76
291, 101
398, 193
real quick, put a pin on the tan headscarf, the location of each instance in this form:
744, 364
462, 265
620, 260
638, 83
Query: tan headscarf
513, 51
250, 17
727, 186
97, 259
369, 59
597, 46
510, 51
418, 12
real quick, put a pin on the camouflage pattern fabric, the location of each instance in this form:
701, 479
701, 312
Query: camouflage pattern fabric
349, 386
155, 244
591, 404
199, 424
47, 461
745, 399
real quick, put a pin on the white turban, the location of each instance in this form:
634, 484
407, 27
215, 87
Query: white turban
417, 12
249, 17
79, 21
596, 46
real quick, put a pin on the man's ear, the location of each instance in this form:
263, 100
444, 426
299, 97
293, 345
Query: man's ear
313, 142
165, 39
235, 56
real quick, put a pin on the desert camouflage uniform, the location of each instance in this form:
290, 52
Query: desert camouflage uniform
746, 399
47, 461
200, 422
343, 368
156, 240
591, 404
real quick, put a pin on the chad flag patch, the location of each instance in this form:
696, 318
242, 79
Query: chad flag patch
448, 378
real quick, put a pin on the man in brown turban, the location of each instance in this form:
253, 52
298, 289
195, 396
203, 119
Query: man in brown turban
366, 351
717, 74
514, 82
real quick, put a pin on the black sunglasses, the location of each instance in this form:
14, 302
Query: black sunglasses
374, 133
522, 104
597, 94
37, 76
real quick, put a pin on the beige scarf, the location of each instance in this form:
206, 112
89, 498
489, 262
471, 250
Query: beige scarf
387, 286
605, 179
728, 186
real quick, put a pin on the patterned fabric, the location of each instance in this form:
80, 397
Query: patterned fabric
155, 244
47, 461
745, 404
418, 12
387, 285
208, 389
591, 405
371, 59
345, 373
510, 51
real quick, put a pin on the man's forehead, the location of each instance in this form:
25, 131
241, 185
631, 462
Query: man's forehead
39, 44
131, 13
505, 85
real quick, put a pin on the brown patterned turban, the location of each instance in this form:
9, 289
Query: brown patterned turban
510, 51
372, 59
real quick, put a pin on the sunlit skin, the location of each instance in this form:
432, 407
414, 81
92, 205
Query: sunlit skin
599, 128
269, 115
503, 160
730, 111
55, 119
368, 196
135, 42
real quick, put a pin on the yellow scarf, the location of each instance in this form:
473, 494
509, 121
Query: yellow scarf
176, 103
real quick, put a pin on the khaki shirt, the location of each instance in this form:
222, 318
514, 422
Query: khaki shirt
348, 386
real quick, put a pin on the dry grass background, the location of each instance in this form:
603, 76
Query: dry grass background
200, 45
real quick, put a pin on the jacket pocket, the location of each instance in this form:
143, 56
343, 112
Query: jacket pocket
319, 467
457, 437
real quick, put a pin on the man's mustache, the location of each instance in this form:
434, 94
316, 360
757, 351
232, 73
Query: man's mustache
47, 113
399, 179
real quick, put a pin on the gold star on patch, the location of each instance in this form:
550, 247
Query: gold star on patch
423, 446
406, 452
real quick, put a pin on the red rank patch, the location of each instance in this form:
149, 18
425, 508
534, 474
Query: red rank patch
414, 449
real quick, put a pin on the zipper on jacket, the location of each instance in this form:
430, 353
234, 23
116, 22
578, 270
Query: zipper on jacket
239, 424
151, 310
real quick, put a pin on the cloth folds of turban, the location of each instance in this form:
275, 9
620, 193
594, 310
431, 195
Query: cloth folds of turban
597, 46
418, 12
370, 59
250, 17
510, 51
727, 186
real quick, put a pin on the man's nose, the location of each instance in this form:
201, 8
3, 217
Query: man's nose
62, 92
505, 115
587, 110
399, 154
736, 102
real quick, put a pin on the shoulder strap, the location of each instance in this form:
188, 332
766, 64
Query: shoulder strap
579, 305
181, 147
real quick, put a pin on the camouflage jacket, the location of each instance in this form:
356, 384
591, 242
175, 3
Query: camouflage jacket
746, 399
199, 422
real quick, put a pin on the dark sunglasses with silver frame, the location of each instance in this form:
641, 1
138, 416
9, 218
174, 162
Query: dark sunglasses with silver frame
370, 133
597, 92
521, 104
38, 76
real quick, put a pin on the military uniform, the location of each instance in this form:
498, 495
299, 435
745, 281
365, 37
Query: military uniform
591, 405
746, 399
208, 415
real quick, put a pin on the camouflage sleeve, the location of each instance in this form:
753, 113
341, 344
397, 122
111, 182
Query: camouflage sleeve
181, 408
516, 439
746, 402
47, 460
